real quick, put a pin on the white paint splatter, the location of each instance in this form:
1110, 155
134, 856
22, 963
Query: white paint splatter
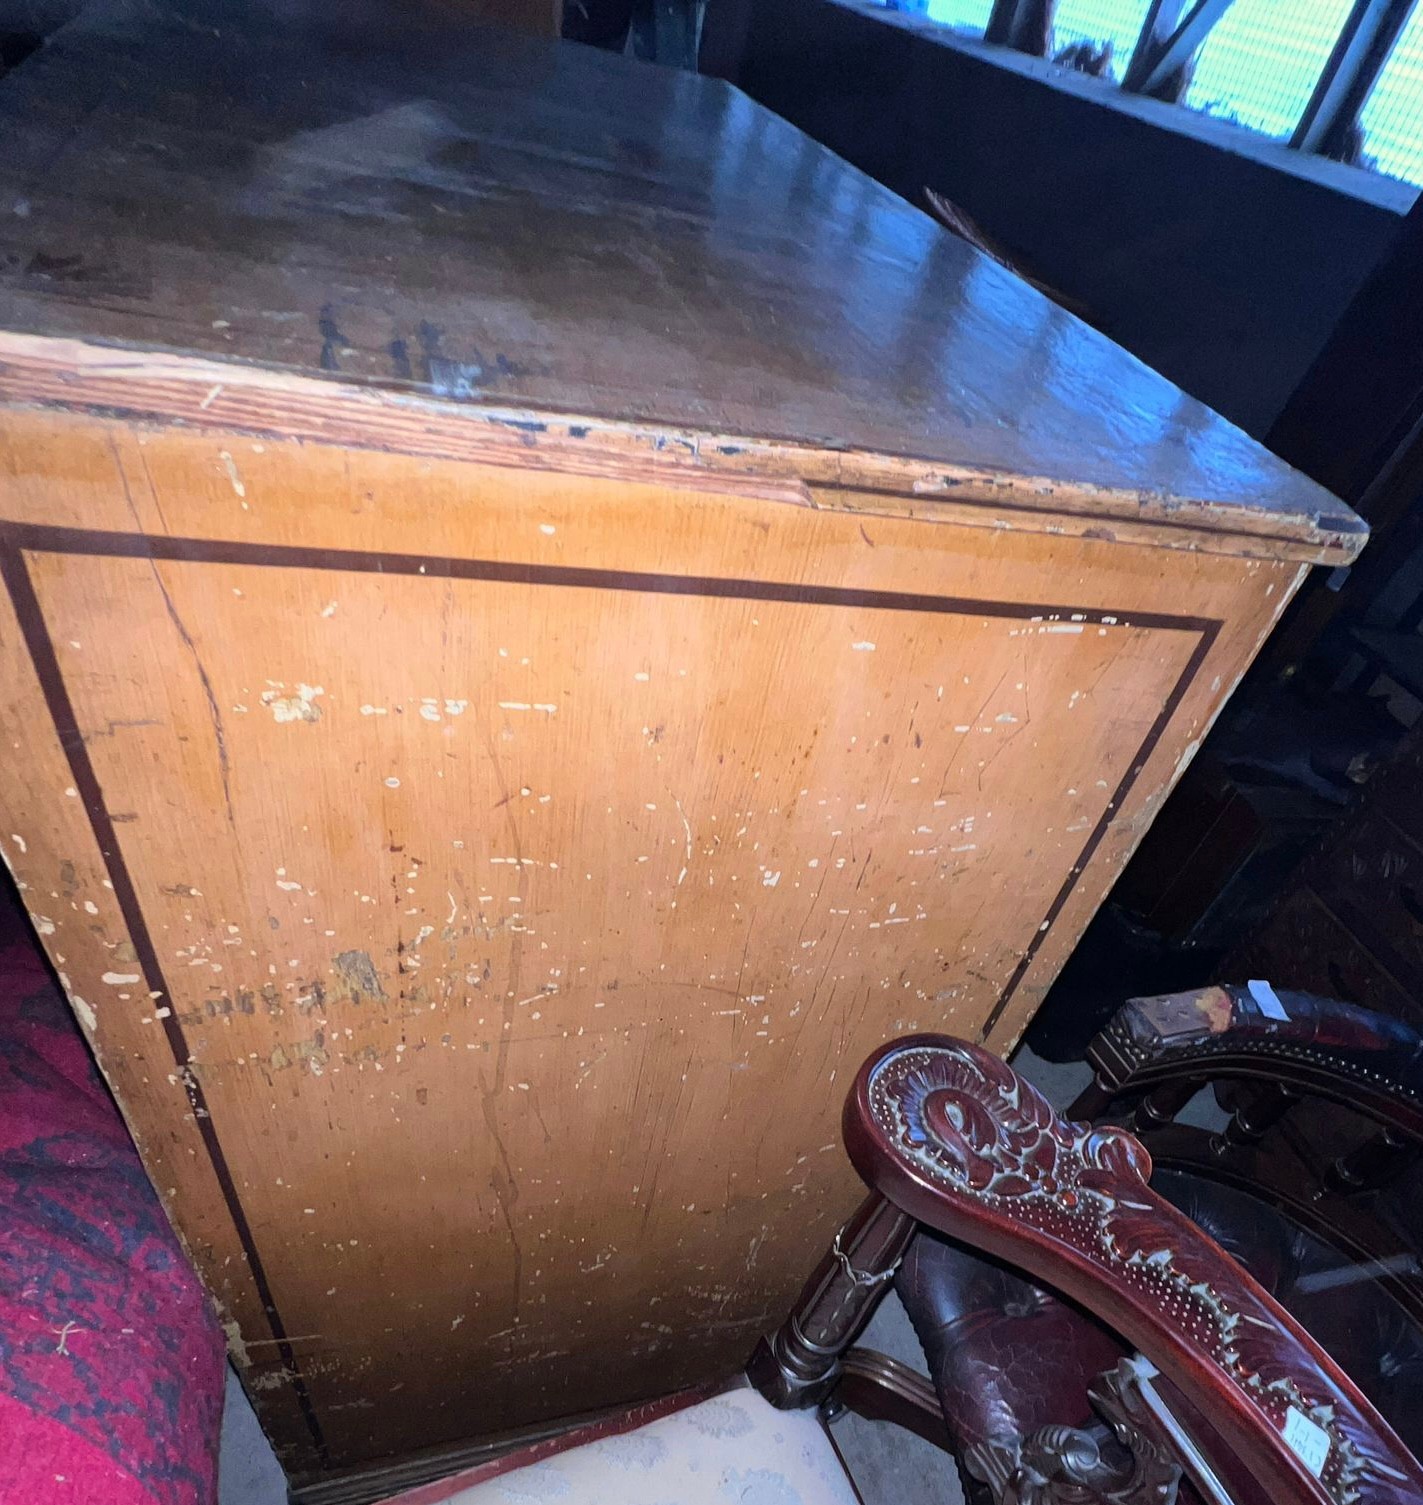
299, 707
235, 1346
230, 466
863, 647
86, 1014
120, 979
687, 835
1192, 748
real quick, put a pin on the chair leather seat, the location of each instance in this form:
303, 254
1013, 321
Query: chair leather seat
1007, 1358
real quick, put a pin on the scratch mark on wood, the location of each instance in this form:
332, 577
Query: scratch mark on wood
214, 714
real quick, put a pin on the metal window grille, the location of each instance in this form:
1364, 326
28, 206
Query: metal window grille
1342, 78
1391, 122
1082, 30
962, 15
1262, 59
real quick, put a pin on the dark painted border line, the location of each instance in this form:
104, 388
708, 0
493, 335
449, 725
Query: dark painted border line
54, 540
41, 650
1168, 709
42, 538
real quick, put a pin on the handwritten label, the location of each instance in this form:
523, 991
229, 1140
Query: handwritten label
1308, 1441
1267, 1000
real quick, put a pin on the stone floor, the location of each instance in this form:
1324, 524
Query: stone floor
247, 1469
889, 1465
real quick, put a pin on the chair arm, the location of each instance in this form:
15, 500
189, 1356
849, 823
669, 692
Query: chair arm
950, 1134
1367, 1061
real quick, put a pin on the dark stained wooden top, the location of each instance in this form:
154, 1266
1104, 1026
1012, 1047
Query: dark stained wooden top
487, 217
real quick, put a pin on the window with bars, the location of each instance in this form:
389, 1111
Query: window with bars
1340, 78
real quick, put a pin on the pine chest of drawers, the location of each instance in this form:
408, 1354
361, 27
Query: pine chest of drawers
544, 617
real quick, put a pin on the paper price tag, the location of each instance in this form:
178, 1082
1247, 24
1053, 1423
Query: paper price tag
1308, 1441
1267, 1000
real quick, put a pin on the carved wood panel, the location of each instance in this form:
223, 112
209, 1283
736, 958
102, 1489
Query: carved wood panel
951, 1134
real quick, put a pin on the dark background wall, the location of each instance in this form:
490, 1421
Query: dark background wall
1219, 259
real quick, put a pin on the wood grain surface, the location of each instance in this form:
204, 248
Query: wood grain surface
478, 883
544, 617
390, 195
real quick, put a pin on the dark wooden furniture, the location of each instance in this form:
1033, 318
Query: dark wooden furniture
543, 617
1353, 424
1315, 1201
1349, 920
1160, 1051
1226, 1386
1234, 859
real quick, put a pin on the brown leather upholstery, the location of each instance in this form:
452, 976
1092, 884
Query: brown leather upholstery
1007, 1358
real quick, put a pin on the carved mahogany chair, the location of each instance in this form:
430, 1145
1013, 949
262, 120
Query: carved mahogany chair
1325, 1115
1266, 1054
1086, 1340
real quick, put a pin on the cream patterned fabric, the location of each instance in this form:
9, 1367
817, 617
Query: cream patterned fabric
735, 1449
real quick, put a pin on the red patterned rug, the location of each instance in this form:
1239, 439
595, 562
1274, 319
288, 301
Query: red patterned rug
111, 1359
